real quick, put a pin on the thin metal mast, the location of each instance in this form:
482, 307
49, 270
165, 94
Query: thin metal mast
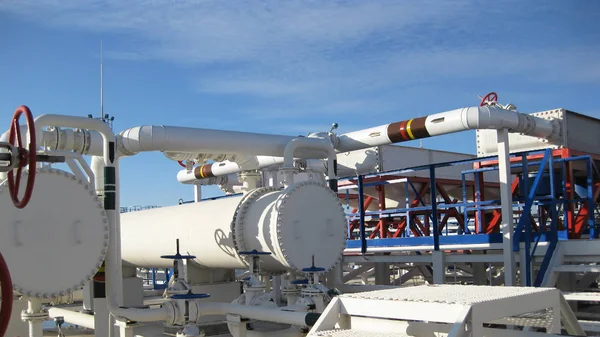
101, 86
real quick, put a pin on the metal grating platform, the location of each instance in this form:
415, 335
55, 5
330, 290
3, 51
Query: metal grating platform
422, 310
356, 333
449, 294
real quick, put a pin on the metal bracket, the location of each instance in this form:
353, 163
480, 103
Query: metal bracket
11, 158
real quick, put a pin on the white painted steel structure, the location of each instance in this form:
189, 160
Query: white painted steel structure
455, 311
300, 225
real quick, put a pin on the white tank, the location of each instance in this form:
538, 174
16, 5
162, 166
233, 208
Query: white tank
304, 220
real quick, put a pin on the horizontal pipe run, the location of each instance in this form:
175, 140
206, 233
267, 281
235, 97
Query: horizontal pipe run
227, 167
258, 313
483, 117
204, 174
195, 140
73, 317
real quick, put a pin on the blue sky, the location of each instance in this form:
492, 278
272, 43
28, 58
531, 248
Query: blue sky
291, 67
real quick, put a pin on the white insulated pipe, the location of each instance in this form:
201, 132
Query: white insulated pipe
227, 167
73, 317
97, 166
79, 122
290, 332
79, 140
258, 313
195, 140
481, 117
317, 144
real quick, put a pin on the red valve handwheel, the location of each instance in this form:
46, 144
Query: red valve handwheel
7, 296
491, 97
26, 157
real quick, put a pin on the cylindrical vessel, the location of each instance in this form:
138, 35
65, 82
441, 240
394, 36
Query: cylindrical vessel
296, 225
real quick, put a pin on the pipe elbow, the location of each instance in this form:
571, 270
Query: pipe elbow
308, 143
142, 138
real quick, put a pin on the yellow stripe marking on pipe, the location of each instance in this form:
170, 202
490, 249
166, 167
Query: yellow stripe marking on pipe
410, 134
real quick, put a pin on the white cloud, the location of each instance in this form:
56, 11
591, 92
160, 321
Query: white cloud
326, 53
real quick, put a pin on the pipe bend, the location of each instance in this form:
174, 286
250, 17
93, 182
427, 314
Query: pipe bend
308, 143
142, 138
313, 144
73, 122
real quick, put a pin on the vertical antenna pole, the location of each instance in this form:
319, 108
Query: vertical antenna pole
101, 86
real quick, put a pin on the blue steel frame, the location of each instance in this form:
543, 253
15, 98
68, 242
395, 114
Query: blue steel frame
524, 230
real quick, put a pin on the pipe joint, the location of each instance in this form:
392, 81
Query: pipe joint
317, 144
173, 314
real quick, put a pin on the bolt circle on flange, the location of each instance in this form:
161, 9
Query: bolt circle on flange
237, 223
283, 202
70, 244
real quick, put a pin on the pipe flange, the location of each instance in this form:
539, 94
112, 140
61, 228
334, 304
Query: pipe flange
75, 245
237, 223
282, 202
34, 317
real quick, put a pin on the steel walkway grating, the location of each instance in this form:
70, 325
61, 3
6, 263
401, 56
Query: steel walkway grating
448, 294
356, 333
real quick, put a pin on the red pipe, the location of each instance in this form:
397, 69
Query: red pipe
7, 296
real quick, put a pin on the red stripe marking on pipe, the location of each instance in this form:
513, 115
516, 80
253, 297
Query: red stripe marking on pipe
403, 130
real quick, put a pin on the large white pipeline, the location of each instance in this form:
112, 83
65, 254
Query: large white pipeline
195, 140
481, 117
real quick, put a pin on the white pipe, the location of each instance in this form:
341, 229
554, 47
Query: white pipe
113, 269
481, 117
34, 306
229, 169
188, 177
258, 313
77, 122
194, 140
97, 166
73, 317
289, 332
317, 144
200, 173
82, 141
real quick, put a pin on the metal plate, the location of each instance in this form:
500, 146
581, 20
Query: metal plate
310, 222
58, 241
